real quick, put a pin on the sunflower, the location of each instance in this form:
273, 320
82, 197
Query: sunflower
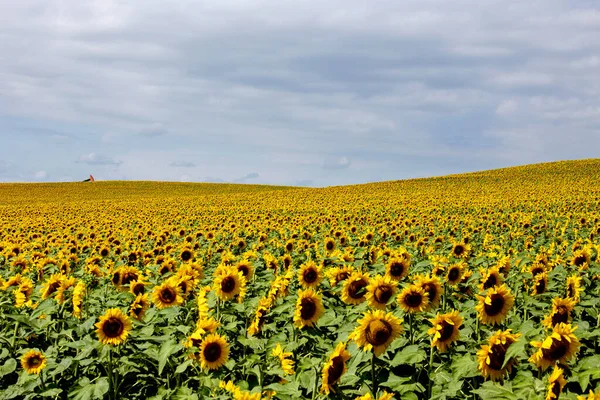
228, 283
33, 362
167, 294
246, 268
445, 329
329, 245
264, 305
461, 250
590, 396
574, 288
454, 273
355, 288
309, 308
561, 312
214, 351
137, 287
139, 306
113, 327
78, 294
338, 274
334, 368
413, 299
51, 285
380, 290
537, 268
432, 286
490, 278
540, 283
581, 258
287, 364
559, 347
207, 324
397, 267
376, 330
495, 305
556, 383
491, 358
384, 396
310, 275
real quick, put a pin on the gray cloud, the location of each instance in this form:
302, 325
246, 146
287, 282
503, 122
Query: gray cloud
97, 159
182, 164
337, 163
153, 130
247, 177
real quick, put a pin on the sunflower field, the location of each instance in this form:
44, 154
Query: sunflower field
482, 285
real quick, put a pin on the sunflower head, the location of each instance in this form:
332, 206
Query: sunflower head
491, 358
186, 254
334, 368
574, 288
376, 330
495, 305
167, 294
339, 274
432, 286
214, 351
139, 306
380, 290
559, 347
309, 308
540, 283
490, 278
445, 330
33, 362
354, 290
556, 383
246, 268
461, 250
228, 283
310, 275
113, 327
454, 273
413, 299
560, 312
397, 267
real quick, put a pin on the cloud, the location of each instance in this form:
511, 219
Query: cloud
247, 177
337, 163
41, 175
154, 130
108, 137
182, 164
97, 159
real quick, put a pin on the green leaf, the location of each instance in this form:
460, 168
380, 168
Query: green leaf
182, 367
515, 350
166, 350
402, 385
412, 354
51, 393
464, 367
493, 391
9, 366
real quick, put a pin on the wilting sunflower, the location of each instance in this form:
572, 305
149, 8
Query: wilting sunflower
445, 330
432, 286
495, 305
139, 306
113, 327
309, 308
214, 351
559, 347
228, 283
397, 267
556, 383
540, 284
574, 288
33, 362
339, 274
354, 290
167, 294
561, 312
491, 358
454, 273
380, 290
287, 364
334, 368
461, 250
489, 278
376, 330
413, 299
310, 275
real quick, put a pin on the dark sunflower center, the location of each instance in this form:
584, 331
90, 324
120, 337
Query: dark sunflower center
431, 290
356, 289
570, 291
537, 271
540, 286
497, 356
396, 269
116, 278
447, 331
53, 287
329, 246
453, 274
560, 315
310, 275
212, 352
336, 370
496, 307
579, 260
243, 269
383, 294
557, 350
458, 250
414, 299
168, 295
129, 277
308, 308
186, 255
342, 276
34, 361
139, 289
138, 309
378, 332
228, 284
289, 247
113, 327
555, 389
164, 269
490, 282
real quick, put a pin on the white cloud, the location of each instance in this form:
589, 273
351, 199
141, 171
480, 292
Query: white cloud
337, 163
41, 175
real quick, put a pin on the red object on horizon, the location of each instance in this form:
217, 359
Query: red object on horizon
92, 178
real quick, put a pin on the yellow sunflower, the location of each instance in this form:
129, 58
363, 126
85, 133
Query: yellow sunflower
413, 299
556, 383
214, 351
228, 283
50, 287
354, 290
338, 274
489, 278
380, 290
397, 267
454, 273
559, 347
376, 330
309, 308
139, 306
113, 327
310, 275
167, 294
432, 286
334, 368
491, 358
33, 362
495, 305
590, 396
287, 364
461, 250
264, 305
574, 288
329, 245
445, 330
246, 268
540, 283
560, 312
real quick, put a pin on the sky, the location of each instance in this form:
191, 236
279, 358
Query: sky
294, 92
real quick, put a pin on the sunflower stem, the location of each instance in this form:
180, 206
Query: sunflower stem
477, 329
218, 309
314, 395
14, 338
429, 370
410, 328
444, 298
373, 376
42, 380
111, 385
